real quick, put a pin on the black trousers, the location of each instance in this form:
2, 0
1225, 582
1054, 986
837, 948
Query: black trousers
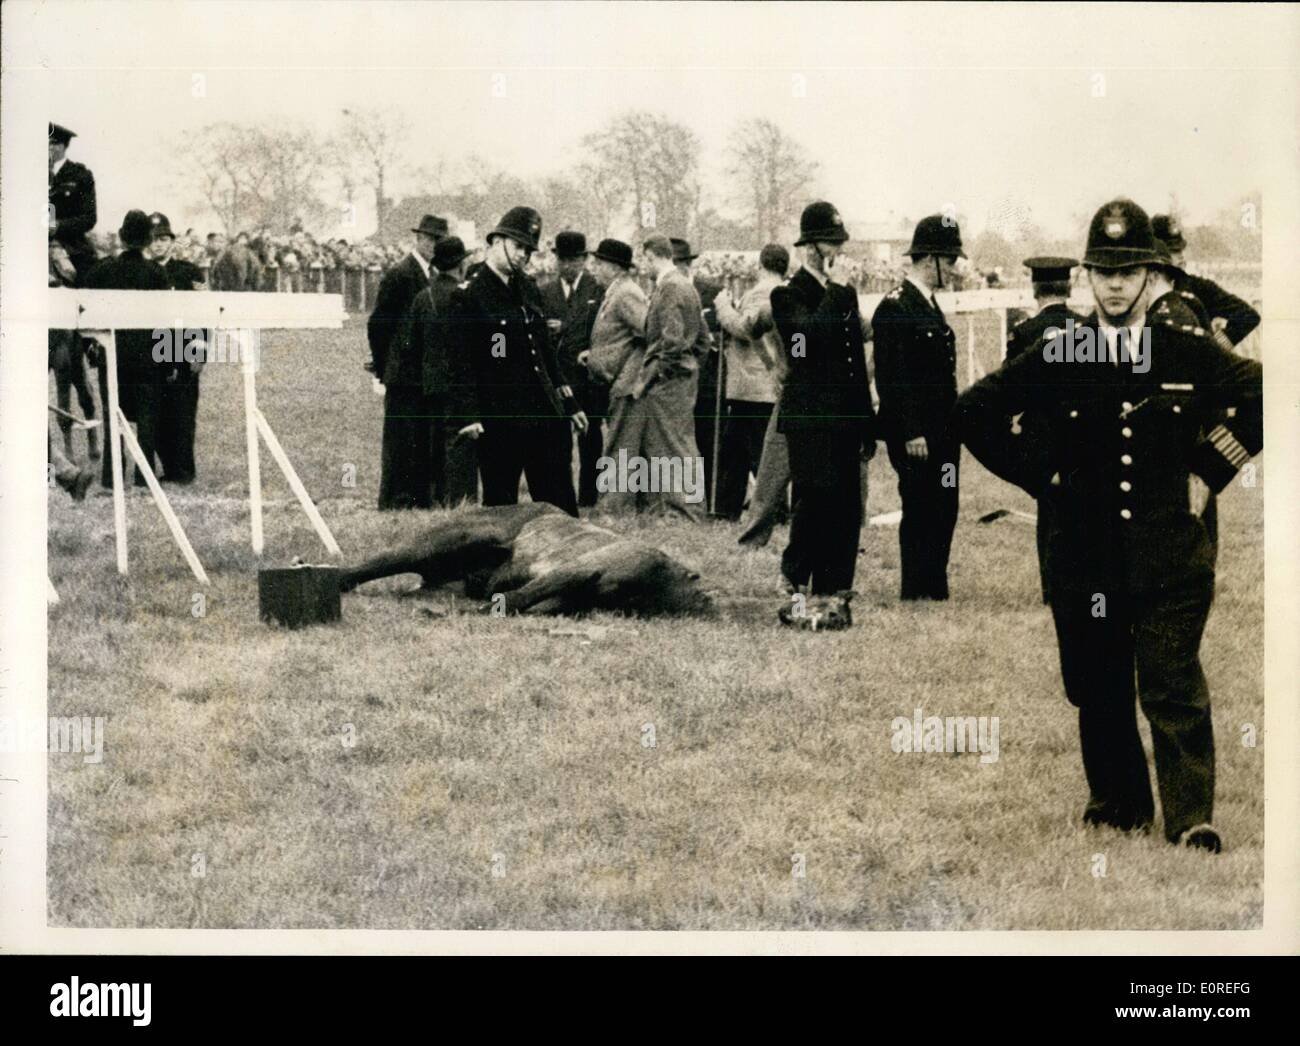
594, 400
826, 520
540, 451
69, 366
178, 410
137, 393
1145, 648
406, 479
742, 450
929, 494
455, 466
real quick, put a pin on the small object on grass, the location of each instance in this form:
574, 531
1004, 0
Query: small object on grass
299, 595
1004, 513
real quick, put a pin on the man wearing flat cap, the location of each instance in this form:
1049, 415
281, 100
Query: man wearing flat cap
825, 410
453, 463
506, 390
1133, 447
916, 379
571, 300
1231, 318
406, 470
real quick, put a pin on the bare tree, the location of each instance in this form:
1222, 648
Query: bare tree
369, 149
653, 165
772, 177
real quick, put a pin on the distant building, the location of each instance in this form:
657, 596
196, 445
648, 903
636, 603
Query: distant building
884, 242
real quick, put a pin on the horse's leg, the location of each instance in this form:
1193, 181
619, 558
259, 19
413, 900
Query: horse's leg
448, 552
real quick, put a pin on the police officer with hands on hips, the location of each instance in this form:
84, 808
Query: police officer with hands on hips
826, 413
916, 380
505, 387
1132, 448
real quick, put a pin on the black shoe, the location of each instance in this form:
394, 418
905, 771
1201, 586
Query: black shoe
1202, 837
1104, 815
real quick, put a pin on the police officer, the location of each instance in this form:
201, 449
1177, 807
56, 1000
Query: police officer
1231, 319
72, 214
916, 379
1131, 450
178, 378
505, 388
1050, 278
825, 411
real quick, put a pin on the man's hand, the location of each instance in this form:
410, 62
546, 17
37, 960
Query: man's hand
1198, 494
917, 449
473, 431
1219, 333
579, 421
554, 326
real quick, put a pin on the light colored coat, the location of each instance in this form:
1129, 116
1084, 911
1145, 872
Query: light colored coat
754, 350
618, 336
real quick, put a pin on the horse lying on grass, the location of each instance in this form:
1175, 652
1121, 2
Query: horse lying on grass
535, 559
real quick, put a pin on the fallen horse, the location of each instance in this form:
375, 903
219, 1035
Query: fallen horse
534, 558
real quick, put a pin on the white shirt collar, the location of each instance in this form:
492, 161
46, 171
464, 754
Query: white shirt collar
55, 168
926, 292
424, 265
818, 276
1133, 338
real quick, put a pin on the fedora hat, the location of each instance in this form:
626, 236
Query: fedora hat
432, 225
570, 245
681, 249
449, 253
616, 252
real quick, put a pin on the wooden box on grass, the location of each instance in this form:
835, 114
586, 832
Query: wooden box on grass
299, 596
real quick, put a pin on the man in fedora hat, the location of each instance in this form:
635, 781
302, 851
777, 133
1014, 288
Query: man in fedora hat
452, 463
1231, 318
825, 410
178, 386
405, 478
571, 301
506, 389
916, 378
137, 374
1133, 446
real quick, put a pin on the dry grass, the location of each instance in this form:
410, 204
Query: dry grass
487, 745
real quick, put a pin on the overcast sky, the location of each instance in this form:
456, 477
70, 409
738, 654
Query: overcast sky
1040, 111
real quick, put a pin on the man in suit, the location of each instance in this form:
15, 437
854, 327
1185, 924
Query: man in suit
916, 379
1231, 318
653, 425
708, 420
1133, 449
453, 464
72, 214
178, 385
825, 411
572, 299
1050, 278
753, 354
506, 390
406, 467
137, 374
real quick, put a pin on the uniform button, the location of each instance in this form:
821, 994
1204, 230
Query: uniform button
1126, 459
1074, 413
1177, 409
1126, 406
1125, 514
1126, 432
1125, 486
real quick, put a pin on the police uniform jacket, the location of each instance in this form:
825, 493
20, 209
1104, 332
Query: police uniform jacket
131, 271
1219, 303
502, 359
915, 365
1028, 335
72, 199
1123, 445
826, 397
387, 323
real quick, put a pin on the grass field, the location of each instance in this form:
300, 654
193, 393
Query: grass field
402, 770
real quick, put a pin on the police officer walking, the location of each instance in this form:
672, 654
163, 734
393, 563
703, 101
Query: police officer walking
505, 388
825, 409
916, 379
1132, 449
